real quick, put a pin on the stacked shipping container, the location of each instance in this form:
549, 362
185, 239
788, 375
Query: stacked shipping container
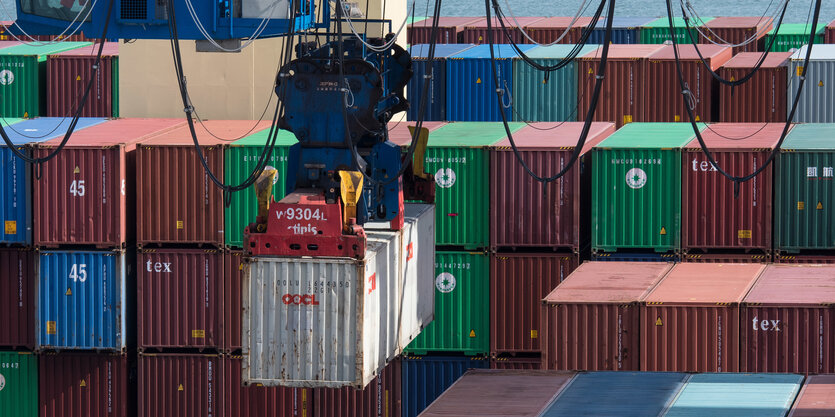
476, 32
625, 30
749, 32
560, 30
793, 36
450, 30
67, 76
435, 103
763, 97
658, 31
816, 99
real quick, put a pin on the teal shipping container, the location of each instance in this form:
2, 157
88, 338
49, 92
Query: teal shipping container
622, 394
18, 384
736, 395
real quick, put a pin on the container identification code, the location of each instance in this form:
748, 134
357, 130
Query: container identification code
462, 265
648, 161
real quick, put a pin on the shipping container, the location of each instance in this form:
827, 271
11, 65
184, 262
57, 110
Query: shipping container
805, 259
591, 320
179, 385
549, 30
462, 303
625, 30
436, 96
523, 212
804, 202
829, 37
816, 398
787, 321
241, 159
662, 83
734, 216
260, 401
68, 74
623, 98
738, 29
476, 32
636, 187
175, 199
17, 298
635, 257
732, 395
793, 36
450, 30
382, 397
400, 135
85, 385
471, 85
763, 98
4, 39
23, 72
286, 299
232, 300
84, 300
518, 283
658, 31
516, 362
547, 97
85, 194
500, 393
817, 100
690, 321
726, 258
19, 382
426, 378
623, 394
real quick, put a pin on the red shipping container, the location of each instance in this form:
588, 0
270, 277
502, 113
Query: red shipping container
761, 99
476, 32
737, 29
521, 214
829, 35
17, 298
232, 309
805, 259
85, 194
84, 385
591, 320
258, 400
788, 321
178, 385
450, 30
713, 217
179, 298
67, 76
662, 83
516, 363
176, 200
726, 258
690, 321
548, 30
518, 283
381, 397
816, 398
623, 98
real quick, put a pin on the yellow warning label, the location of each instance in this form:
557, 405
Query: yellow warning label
472, 333
478, 81
179, 224
663, 230
83, 383
733, 79
799, 70
480, 39
743, 234
820, 83
676, 118
698, 119
69, 292
534, 334
78, 78
50, 328
591, 71
199, 334
801, 205
11, 227
26, 115
658, 322
77, 170
627, 119
819, 206
259, 385
180, 387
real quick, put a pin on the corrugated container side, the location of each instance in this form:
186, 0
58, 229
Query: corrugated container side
476, 32
85, 385
658, 31
516, 363
258, 401
19, 376
175, 385
622, 92
17, 289
548, 30
382, 397
232, 305
763, 98
426, 378
738, 29
450, 30
788, 339
829, 37
538, 101
620, 36
726, 258
736, 395
793, 36
475, 89
16, 211
804, 259
435, 103
804, 202
634, 257
67, 78
816, 398
817, 101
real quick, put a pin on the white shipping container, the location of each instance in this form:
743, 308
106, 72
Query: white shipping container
817, 101
337, 322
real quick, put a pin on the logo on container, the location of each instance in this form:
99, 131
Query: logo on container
300, 299
445, 282
636, 178
445, 177
6, 77
2, 382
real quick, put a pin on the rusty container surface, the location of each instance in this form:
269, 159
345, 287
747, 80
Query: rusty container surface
761, 99
725, 219
516, 362
176, 200
690, 321
67, 76
17, 298
85, 195
816, 398
623, 98
805, 259
522, 214
726, 258
232, 264
787, 320
662, 83
738, 29
518, 283
84, 385
591, 320
382, 397
450, 30
179, 297
179, 385
549, 29
258, 400
476, 32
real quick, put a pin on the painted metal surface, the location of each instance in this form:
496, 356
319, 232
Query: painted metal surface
482, 392
67, 76
19, 377
591, 320
690, 321
763, 98
516, 362
257, 401
730, 395
635, 257
817, 101
382, 397
476, 32
816, 398
17, 298
658, 31
548, 30
436, 100
518, 283
84, 385
738, 29
179, 385
426, 378
399, 131
83, 300
804, 259
625, 30
726, 258
829, 37
450, 30
624, 394
522, 214
793, 36
232, 299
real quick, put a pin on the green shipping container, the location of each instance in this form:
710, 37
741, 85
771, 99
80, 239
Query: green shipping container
115, 87
658, 31
793, 36
241, 158
462, 306
18, 384
805, 192
636, 189
22, 75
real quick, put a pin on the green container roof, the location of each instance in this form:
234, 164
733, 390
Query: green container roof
678, 22
558, 51
470, 134
285, 138
651, 136
414, 19
42, 51
9, 121
797, 29
811, 136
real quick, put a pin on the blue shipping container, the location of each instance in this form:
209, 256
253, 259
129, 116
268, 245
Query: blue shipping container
471, 90
634, 257
435, 103
82, 300
624, 30
425, 378
729, 395
623, 394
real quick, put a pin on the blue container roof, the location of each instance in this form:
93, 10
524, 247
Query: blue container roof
559, 51
444, 50
43, 129
501, 51
729, 395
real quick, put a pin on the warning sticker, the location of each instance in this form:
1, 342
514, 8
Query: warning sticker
801, 205
534, 334
658, 322
472, 333
743, 234
69, 292
83, 383
10, 227
478, 81
663, 231
51, 328
180, 387
819, 206
179, 224
198, 334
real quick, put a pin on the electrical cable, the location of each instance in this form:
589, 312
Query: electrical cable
376, 48
583, 6
721, 41
256, 34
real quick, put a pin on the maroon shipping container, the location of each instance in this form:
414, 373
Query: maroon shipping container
517, 363
623, 98
548, 30
829, 35
713, 216
232, 309
591, 320
67, 76
84, 385
761, 99
737, 29
521, 214
176, 200
816, 398
178, 385
179, 298
476, 32
258, 400
399, 131
450, 30
788, 319
518, 283
17, 298
382, 397
85, 195
690, 321
805, 259
726, 258
662, 83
